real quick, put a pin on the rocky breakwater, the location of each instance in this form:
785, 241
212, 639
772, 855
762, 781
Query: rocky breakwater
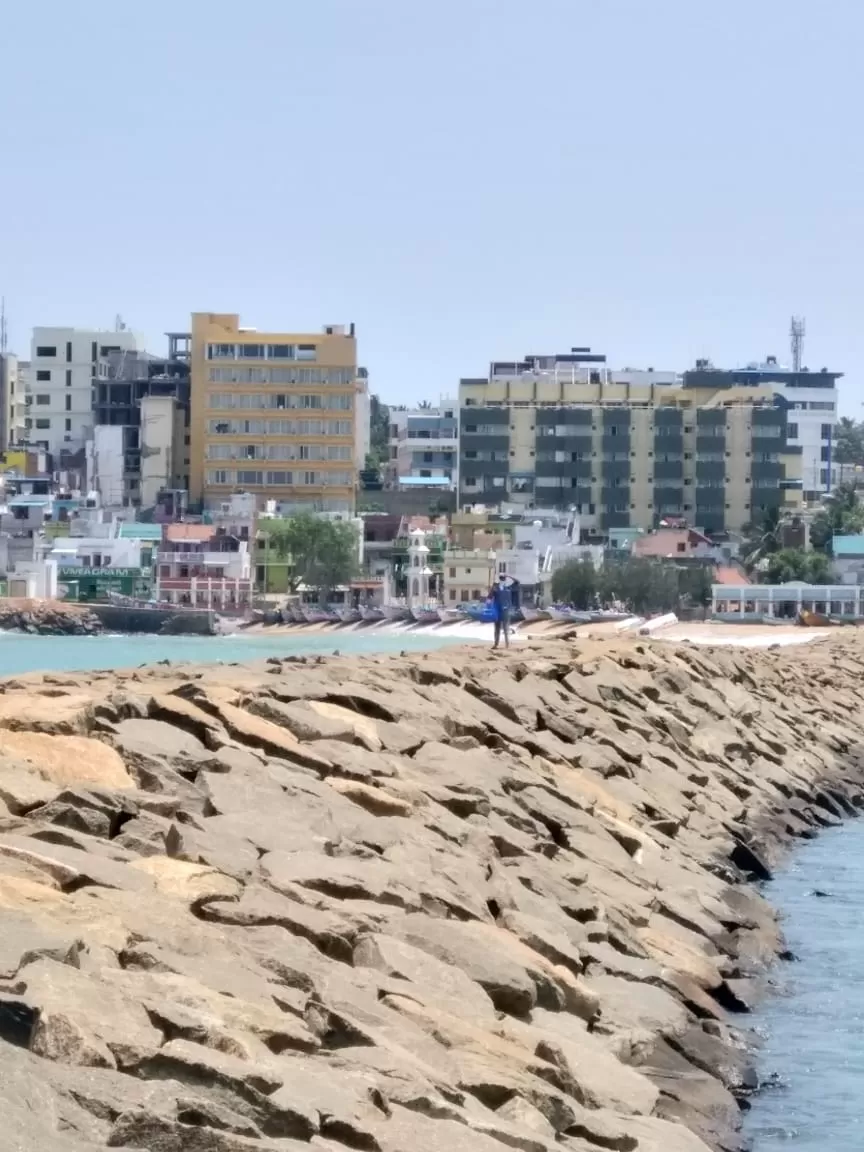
434, 903
48, 618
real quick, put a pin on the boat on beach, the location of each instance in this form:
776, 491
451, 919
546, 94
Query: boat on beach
395, 612
348, 615
425, 615
449, 615
372, 615
532, 615
312, 615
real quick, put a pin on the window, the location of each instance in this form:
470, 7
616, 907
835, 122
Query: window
43, 423
306, 351
792, 431
280, 351
249, 477
43, 398
827, 431
218, 476
46, 350
44, 374
68, 377
68, 351
251, 351
68, 425
68, 403
94, 351
825, 453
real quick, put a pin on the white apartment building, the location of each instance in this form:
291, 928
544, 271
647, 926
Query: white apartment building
14, 376
424, 443
64, 365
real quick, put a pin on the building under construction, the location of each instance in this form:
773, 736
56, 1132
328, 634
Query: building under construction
141, 415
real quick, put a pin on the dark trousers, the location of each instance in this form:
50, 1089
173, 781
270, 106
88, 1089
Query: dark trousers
502, 622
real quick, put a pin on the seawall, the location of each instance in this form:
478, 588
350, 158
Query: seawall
119, 618
454, 901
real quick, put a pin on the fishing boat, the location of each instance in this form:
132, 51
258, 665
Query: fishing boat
809, 619
394, 612
348, 615
313, 615
426, 615
482, 612
531, 615
449, 615
372, 615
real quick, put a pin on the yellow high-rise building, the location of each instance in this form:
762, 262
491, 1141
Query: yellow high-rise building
274, 413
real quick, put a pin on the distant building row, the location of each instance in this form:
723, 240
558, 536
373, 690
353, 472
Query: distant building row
286, 418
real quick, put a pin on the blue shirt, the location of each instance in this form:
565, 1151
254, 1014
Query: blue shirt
501, 599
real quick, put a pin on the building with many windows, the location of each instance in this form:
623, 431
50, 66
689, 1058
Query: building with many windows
625, 449
274, 414
66, 365
811, 398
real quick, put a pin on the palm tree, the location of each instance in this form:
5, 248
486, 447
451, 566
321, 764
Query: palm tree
763, 538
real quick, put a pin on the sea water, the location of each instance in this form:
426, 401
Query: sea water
813, 1027
22, 653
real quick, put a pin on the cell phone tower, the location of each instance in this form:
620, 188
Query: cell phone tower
797, 331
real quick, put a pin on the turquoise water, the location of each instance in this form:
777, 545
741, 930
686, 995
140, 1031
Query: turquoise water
85, 653
814, 1028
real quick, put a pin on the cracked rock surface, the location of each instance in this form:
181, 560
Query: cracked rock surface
446, 902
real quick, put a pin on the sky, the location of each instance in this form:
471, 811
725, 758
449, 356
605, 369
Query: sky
466, 180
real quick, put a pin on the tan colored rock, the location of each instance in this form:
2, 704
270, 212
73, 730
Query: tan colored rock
68, 715
185, 881
68, 761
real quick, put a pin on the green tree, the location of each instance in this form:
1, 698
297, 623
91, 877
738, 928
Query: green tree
575, 583
849, 441
321, 553
796, 564
379, 433
694, 584
843, 515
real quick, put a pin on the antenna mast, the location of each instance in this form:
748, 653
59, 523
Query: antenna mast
797, 331
3, 330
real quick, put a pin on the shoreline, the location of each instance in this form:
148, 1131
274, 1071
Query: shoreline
519, 886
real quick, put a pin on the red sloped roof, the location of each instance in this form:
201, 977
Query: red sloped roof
730, 575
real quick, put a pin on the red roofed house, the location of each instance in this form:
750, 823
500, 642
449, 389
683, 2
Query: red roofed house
204, 566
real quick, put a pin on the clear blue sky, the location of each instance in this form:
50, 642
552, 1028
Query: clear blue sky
465, 179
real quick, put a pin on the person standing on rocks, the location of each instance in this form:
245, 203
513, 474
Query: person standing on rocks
502, 602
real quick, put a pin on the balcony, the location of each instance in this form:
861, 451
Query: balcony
668, 443
668, 470
485, 442
578, 469
709, 443
710, 470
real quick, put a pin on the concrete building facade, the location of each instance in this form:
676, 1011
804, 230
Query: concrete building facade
811, 400
274, 414
625, 450
66, 365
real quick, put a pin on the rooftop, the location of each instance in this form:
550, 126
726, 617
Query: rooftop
847, 546
140, 532
175, 533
